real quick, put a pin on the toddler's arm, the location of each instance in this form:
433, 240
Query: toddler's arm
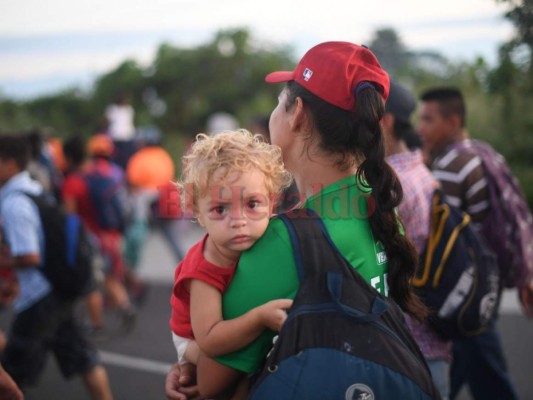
192, 352
216, 336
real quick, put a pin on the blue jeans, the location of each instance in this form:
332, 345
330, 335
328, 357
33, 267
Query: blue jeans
440, 372
480, 363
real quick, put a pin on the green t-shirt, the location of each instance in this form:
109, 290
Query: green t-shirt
267, 271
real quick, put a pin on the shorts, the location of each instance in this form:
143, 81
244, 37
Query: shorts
180, 343
111, 248
47, 326
134, 240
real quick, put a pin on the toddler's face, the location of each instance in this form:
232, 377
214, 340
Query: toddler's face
236, 211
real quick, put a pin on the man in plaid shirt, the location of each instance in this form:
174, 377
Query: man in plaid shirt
418, 185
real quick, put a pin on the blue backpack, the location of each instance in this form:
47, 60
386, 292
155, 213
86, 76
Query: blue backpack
108, 197
458, 277
342, 339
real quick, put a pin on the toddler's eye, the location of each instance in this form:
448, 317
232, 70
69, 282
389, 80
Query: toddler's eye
219, 210
252, 204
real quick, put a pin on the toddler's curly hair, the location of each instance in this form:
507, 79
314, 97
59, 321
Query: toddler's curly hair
231, 152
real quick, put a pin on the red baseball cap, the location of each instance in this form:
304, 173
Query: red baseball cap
332, 70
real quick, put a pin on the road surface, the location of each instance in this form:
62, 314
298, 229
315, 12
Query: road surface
137, 363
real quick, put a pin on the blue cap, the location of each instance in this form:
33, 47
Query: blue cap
401, 102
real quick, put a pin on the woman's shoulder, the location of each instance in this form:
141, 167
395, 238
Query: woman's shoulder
275, 238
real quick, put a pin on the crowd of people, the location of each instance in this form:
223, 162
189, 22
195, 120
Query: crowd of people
116, 206
342, 129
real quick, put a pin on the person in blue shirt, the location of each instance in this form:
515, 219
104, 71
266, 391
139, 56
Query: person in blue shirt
43, 322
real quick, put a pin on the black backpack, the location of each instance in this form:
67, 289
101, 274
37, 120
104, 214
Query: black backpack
342, 339
458, 277
67, 261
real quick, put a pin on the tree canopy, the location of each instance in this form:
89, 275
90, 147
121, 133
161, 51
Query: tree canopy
182, 87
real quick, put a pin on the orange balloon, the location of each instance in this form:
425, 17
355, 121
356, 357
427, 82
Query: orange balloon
150, 167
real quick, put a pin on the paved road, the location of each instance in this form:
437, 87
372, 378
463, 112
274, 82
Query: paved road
137, 363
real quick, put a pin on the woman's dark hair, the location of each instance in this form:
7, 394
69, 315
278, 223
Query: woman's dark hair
356, 136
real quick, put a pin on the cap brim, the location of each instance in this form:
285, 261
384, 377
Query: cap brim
279, 76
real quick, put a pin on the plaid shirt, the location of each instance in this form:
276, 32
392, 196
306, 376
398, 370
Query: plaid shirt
418, 185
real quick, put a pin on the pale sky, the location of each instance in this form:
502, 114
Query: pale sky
46, 45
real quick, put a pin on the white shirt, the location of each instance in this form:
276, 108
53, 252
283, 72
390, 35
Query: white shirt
120, 117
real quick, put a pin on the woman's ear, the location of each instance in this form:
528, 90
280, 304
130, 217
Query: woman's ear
387, 122
298, 119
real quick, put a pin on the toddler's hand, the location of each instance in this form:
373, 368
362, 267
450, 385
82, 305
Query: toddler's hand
274, 313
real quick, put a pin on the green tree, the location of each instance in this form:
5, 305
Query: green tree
389, 49
226, 74
511, 85
521, 15
177, 92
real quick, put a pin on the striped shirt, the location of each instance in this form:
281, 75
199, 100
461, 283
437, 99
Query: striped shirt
462, 179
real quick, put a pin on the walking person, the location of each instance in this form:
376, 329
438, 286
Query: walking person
418, 186
148, 171
120, 121
478, 361
107, 220
75, 199
44, 322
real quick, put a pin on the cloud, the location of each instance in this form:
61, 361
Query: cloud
60, 16
23, 66
88, 37
30, 87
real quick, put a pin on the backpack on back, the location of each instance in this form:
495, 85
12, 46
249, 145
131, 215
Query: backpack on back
67, 261
458, 276
108, 198
509, 227
342, 339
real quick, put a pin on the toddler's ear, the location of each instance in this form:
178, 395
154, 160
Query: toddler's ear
198, 216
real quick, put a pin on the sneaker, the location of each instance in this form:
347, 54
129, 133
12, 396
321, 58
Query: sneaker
138, 294
128, 319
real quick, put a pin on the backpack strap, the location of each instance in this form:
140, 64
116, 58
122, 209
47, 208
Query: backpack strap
316, 255
304, 225
440, 213
38, 201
